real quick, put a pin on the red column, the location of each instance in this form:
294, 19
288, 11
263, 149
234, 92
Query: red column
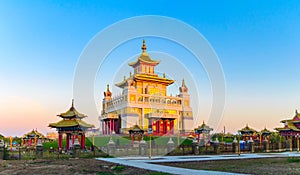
110, 126
172, 126
113, 125
105, 127
132, 138
59, 140
157, 126
76, 138
82, 141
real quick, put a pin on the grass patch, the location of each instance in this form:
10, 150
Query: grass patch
101, 173
119, 168
293, 160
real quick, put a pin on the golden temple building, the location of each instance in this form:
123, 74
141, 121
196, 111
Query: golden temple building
144, 101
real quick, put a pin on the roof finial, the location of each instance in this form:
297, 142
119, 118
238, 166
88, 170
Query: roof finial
183, 83
144, 47
107, 88
296, 111
73, 103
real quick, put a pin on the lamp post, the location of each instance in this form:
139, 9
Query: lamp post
260, 140
150, 144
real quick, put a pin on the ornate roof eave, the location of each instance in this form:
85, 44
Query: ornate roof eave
265, 131
123, 83
143, 60
286, 129
35, 133
70, 123
204, 127
144, 57
247, 129
136, 128
153, 78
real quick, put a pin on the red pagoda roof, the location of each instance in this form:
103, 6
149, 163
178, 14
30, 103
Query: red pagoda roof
289, 124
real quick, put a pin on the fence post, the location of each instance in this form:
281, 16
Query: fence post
2, 150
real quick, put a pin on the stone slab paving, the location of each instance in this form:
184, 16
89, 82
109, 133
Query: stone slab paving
145, 162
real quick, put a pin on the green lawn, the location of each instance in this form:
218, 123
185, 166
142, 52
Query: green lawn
103, 141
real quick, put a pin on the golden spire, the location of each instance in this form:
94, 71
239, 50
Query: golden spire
73, 103
107, 88
183, 83
144, 47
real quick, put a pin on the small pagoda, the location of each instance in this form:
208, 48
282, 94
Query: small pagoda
204, 130
72, 126
265, 134
30, 139
248, 133
136, 131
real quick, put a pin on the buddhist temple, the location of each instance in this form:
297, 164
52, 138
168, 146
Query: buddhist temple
265, 134
72, 126
291, 127
144, 101
30, 139
248, 133
203, 130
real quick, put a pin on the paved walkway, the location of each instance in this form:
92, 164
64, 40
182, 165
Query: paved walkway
145, 162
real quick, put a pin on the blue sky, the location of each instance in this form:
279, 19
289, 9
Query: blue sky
257, 43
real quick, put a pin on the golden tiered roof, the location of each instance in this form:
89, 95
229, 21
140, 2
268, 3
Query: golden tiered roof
72, 113
144, 57
33, 134
136, 129
203, 127
70, 123
247, 129
71, 118
296, 119
289, 125
265, 131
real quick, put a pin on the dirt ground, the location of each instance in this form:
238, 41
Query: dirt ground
66, 167
264, 166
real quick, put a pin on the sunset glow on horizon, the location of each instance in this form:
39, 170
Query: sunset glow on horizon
257, 44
